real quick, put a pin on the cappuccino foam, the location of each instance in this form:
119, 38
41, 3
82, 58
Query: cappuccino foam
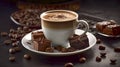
59, 16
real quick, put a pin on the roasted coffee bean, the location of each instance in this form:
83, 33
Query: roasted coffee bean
101, 47
69, 65
7, 42
19, 28
49, 49
14, 44
4, 33
12, 30
103, 55
27, 56
25, 28
12, 50
10, 35
117, 49
12, 58
98, 41
17, 49
98, 59
113, 61
13, 39
82, 60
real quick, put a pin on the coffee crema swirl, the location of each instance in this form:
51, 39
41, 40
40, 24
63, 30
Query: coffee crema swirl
59, 16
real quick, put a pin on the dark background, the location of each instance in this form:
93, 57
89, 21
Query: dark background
105, 9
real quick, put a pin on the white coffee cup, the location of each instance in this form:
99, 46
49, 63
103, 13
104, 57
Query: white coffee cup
59, 25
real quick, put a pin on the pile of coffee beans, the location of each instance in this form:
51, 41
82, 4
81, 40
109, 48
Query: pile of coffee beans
28, 17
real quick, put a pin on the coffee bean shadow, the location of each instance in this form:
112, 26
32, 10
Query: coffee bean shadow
110, 41
58, 60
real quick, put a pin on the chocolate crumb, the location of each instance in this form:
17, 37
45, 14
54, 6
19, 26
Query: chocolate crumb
69, 65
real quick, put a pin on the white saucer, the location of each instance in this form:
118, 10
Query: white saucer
27, 38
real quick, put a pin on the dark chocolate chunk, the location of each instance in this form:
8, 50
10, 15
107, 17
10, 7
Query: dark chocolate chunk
69, 65
27, 56
98, 59
12, 58
82, 60
101, 47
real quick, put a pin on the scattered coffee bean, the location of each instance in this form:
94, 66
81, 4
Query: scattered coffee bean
27, 56
82, 60
10, 35
7, 42
12, 58
69, 65
103, 55
17, 49
49, 49
4, 33
117, 49
14, 44
12, 50
12, 30
113, 61
98, 59
98, 41
101, 47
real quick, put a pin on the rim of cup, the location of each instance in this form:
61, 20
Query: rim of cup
69, 11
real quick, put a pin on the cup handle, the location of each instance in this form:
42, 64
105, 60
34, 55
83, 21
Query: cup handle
84, 23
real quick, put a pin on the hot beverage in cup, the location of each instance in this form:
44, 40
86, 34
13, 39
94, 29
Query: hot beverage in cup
59, 25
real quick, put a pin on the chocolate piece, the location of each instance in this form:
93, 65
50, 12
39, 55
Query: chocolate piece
117, 49
49, 49
82, 60
112, 30
7, 42
69, 65
79, 42
101, 47
101, 25
113, 61
4, 33
98, 59
12, 50
12, 58
37, 35
27, 56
